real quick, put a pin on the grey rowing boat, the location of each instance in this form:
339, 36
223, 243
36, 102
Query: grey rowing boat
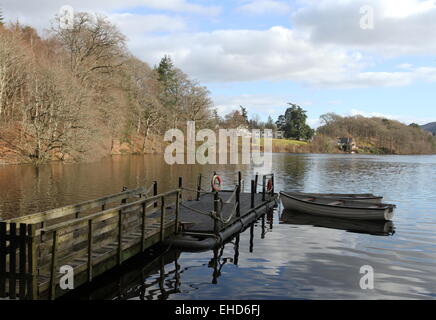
332, 207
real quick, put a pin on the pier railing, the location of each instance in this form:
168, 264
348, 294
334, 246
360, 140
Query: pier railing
235, 198
34, 249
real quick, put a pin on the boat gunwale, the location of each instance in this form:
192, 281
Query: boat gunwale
336, 195
387, 206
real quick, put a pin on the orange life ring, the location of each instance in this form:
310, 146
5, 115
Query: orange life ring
269, 186
216, 183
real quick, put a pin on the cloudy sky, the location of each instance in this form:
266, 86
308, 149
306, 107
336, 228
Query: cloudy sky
325, 55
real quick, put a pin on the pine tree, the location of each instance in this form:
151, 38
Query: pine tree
1, 17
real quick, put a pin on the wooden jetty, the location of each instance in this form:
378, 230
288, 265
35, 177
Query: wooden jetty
93, 237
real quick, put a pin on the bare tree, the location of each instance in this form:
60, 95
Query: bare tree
92, 44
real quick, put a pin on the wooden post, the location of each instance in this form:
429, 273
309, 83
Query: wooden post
256, 179
263, 188
162, 220
90, 237
120, 237
155, 192
198, 187
214, 174
272, 180
52, 293
2, 259
143, 225
12, 259
215, 208
124, 200
31, 254
252, 192
239, 177
179, 196
23, 261
238, 201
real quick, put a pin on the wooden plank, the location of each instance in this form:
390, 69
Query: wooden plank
53, 268
90, 237
143, 225
73, 209
106, 262
12, 260
120, 237
2, 260
32, 285
23, 261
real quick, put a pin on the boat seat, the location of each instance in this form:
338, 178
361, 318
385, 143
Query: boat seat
336, 203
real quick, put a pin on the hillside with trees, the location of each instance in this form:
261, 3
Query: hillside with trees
373, 135
79, 94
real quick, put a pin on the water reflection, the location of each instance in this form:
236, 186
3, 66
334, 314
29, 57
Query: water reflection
157, 274
377, 228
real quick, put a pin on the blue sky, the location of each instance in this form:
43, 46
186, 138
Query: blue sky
264, 53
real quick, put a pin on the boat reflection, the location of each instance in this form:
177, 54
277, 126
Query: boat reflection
376, 228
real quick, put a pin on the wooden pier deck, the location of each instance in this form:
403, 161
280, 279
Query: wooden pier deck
38, 251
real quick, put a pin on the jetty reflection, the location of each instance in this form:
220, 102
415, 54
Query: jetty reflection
157, 275
376, 228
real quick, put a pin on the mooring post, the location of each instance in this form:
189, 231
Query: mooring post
214, 174
238, 201
256, 179
263, 188
125, 199
155, 192
179, 194
253, 191
198, 187
272, 181
215, 209
239, 177
162, 220
178, 199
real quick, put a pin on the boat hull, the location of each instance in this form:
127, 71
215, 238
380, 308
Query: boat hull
368, 198
357, 211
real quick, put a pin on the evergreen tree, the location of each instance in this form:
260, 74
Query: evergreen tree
293, 123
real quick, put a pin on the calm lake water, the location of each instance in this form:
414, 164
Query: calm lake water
283, 256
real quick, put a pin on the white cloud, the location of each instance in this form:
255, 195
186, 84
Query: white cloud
39, 13
274, 54
401, 26
135, 24
265, 6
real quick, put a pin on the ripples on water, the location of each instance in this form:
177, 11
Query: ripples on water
287, 256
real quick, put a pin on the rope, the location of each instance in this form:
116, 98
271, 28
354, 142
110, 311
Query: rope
206, 213
231, 197
230, 216
200, 191
149, 190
